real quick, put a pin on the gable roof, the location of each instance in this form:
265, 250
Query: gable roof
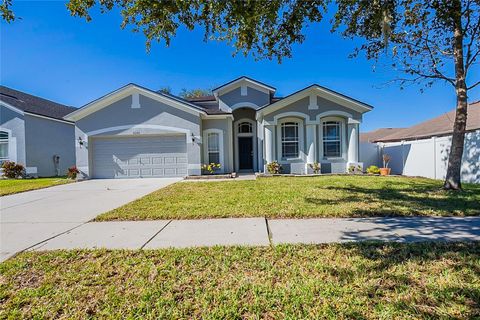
371, 136
441, 125
126, 91
321, 91
32, 104
247, 79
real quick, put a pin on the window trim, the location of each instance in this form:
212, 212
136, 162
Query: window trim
240, 123
343, 147
300, 140
220, 146
6, 141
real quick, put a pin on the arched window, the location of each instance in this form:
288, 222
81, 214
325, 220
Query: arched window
3, 146
245, 127
289, 140
332, 140
213, 147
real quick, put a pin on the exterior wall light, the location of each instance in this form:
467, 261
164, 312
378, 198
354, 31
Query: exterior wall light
81, 142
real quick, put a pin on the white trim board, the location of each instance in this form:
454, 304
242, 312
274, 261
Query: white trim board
316, 91
220, 143
12, 145
9, 106
245, 82
48, 118
142, 126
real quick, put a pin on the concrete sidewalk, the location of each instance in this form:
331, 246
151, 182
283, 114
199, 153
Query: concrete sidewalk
262, 232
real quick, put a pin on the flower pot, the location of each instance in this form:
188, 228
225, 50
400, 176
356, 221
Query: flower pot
385, 171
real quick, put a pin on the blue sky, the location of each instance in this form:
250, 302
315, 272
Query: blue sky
65, 59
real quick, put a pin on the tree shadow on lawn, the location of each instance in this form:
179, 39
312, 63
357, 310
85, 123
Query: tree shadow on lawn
405, 199
384, 259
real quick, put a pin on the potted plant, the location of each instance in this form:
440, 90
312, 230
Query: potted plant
385, 171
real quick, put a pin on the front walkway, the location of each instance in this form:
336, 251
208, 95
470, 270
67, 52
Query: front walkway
262, 232
32, 217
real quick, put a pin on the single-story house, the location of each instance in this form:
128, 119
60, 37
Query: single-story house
34, 133
423, 149
243, 126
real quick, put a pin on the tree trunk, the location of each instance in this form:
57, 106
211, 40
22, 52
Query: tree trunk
452, 180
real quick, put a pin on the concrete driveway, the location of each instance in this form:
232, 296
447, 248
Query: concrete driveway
29, 218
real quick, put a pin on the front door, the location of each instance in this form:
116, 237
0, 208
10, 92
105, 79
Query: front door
245, 153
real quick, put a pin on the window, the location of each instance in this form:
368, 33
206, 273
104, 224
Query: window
331, 139
213, 147
3, 146
245, 127
289, 140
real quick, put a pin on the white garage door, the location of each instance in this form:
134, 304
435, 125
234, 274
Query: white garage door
140, 157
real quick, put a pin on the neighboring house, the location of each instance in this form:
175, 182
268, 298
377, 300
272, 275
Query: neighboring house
423, 150
137, 132
34, 133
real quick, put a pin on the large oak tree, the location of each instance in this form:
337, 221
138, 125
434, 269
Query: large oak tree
425, 41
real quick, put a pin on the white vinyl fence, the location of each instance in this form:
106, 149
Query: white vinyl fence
425, 157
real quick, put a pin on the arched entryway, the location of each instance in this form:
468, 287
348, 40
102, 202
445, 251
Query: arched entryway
245, 140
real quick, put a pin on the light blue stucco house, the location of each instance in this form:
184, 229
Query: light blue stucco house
34, 133
137, 132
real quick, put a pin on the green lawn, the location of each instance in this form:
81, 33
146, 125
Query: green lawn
11, 186
302, 197
361, 281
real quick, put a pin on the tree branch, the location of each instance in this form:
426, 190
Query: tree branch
470, 58
473, 85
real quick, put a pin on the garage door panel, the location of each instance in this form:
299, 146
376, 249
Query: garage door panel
153, 156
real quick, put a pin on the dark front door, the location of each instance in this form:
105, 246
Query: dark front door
245, 153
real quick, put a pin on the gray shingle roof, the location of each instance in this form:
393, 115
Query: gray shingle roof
33, 104
439, 126
374, 135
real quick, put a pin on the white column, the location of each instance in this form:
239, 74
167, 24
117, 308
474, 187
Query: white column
268, 137
230, 144
310, 145
352, 142
260, 154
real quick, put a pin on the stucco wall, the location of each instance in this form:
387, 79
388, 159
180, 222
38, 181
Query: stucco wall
151, 113
14, 122
300, 109
324, 105
46, 138
253, 96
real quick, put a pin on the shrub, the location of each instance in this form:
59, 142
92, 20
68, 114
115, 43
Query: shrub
373, 170
210, 168
13, 170
72, 172
316, 167
274, 167
355, 169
